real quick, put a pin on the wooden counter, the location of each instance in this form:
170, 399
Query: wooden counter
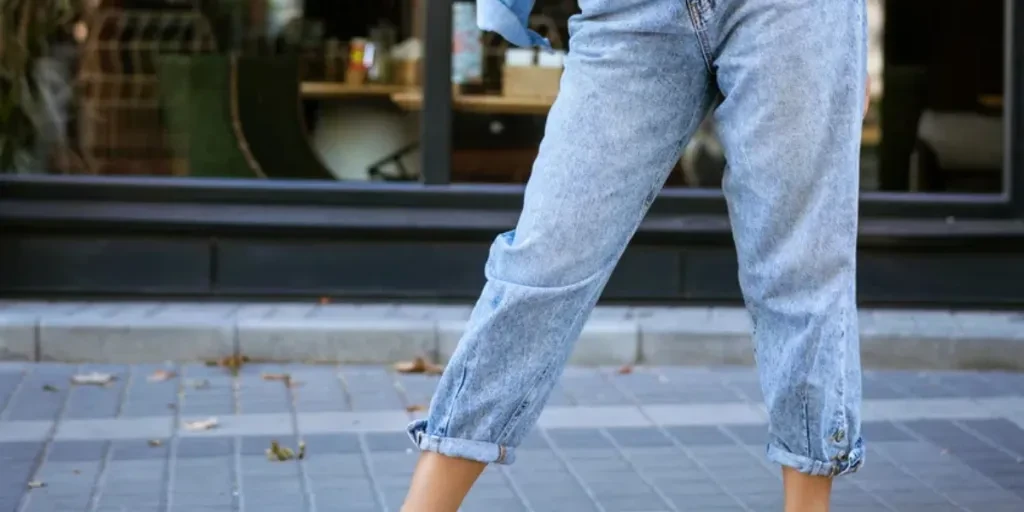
328, 90
480, 103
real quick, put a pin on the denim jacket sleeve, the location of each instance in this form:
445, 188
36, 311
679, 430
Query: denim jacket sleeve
511, 20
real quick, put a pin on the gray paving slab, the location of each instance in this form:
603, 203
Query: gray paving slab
614, 442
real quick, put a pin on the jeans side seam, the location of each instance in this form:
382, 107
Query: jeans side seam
454, 400
518, 412
699, 30
841, 385
807, 422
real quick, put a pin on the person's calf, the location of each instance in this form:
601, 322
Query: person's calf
440, 483
806, 493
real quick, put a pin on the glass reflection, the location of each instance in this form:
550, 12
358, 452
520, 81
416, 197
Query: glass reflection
213, 88
934, 123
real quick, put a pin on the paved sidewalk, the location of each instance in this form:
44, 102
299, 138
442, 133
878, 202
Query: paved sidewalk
657, 439
154, 332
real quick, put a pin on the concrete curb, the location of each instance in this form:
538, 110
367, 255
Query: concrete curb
342, 340
382, 334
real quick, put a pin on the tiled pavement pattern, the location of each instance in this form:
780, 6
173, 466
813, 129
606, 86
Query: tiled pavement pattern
657, 439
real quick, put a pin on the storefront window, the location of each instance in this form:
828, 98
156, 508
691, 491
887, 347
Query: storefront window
218, 89
331, 91
937, 118
935, 122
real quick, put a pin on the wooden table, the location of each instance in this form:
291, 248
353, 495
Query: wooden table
329, 90
480, 103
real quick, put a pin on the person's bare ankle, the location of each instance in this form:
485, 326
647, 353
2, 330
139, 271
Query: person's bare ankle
806, 493
440, 483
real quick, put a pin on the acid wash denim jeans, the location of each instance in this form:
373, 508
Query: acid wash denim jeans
639, 78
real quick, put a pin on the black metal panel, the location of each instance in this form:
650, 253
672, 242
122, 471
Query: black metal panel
349, 268
436, 121
416, 195
712, 274
929, 272
219, 219
386, 269
647, 273
909, 277
47, 264
1014, 99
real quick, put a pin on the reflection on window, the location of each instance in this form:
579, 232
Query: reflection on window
329, 90
934, 122
942, 113
215, 88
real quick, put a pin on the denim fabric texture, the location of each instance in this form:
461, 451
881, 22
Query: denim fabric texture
639, 78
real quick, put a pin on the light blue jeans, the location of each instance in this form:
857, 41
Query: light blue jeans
639, 78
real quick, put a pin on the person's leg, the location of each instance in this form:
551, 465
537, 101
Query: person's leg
634, 89
792, 73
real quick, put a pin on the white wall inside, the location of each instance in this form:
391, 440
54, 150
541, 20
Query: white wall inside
350, 136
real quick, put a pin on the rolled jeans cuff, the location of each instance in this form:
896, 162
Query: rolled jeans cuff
480, 451
838, 466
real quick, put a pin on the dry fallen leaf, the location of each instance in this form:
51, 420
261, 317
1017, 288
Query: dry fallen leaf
207, 424
92, 379
155, 442
233, 363
419, 365
414, 408
276, 452
626, 369
35, 484
50, 388
283, 377
197, 383
325, 300
161, 375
